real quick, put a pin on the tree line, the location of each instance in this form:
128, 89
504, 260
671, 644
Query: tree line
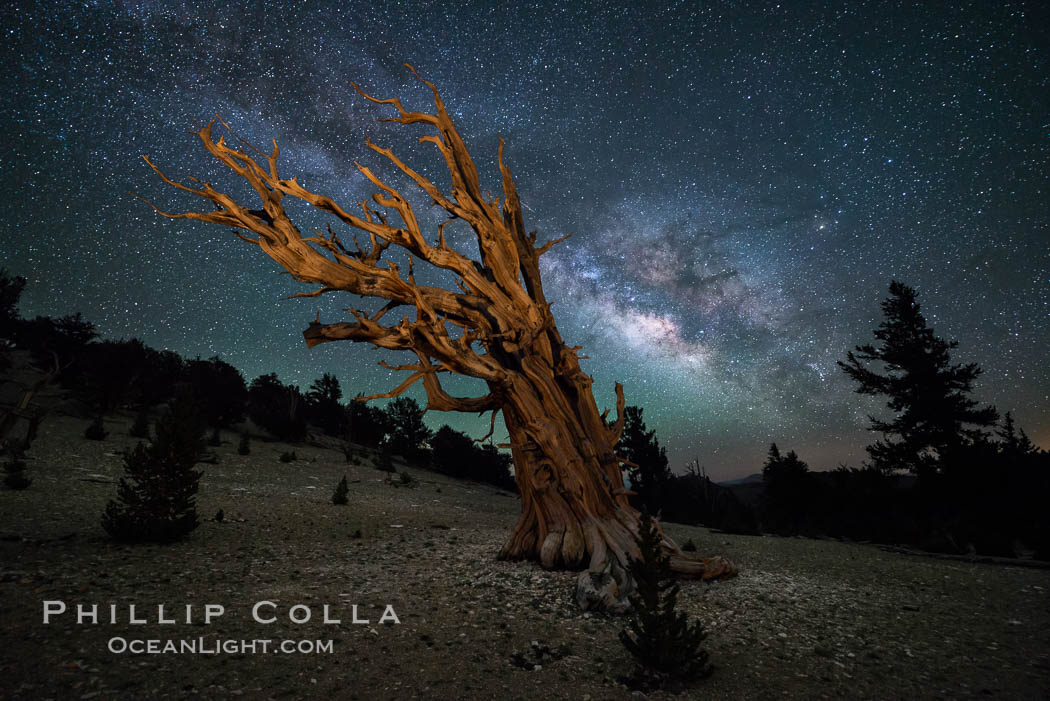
946, 473
106, 375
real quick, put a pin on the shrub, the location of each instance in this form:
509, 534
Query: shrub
407, 479
14, 471
661, 639
157, 494
215, 439
689, 547
244, 447
96, 430
289, 457
385, 459
140, 428
341, 490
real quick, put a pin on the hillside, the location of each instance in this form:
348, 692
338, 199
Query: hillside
806, 618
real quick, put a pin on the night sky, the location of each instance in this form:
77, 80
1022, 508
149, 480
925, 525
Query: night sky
742, 184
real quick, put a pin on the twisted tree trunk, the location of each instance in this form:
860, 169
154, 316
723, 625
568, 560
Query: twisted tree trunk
497, 327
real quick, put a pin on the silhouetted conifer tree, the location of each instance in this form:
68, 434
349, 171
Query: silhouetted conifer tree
408, 434
341, 490
928, 395
322, 405
661, 638
366, 424
156, 497
786, 490
650, 475
244, 447
10, 292
277, 407
220, 391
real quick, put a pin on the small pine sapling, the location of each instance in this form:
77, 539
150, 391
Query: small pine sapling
289, 456
341, 490
385, 459
663, 641
96, 431
689, 546
244, 447
157, 494
215, 439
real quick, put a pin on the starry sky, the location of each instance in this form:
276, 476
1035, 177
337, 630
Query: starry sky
743, 181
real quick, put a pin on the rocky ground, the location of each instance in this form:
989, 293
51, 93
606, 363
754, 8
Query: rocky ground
805, 618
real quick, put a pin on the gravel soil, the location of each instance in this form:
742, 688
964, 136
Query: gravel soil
805, 618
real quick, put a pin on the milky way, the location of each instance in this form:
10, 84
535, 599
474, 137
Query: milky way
742, 185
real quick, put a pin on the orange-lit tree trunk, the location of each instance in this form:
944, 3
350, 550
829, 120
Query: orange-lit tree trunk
496, 327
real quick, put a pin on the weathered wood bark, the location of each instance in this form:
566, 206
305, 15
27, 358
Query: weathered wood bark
497, 327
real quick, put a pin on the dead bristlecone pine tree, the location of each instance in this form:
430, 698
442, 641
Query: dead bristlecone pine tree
666, 645
494, 324
157, 494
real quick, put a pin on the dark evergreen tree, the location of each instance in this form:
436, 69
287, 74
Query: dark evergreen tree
385, 458
366, 424
341, 490
934, 415
10, 292
156, 497
323, 408
244, 447
453, 453
661, 638
277, 408
158, 378
1013, 441
65, 338
220, 390
787, 490
456, 454
109, 373
650, 475
408, 435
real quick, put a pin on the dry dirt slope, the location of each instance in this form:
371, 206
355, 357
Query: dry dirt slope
806, 619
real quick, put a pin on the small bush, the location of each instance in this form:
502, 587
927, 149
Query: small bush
348, 452
244, 447
689, 547
289, 457
140, 429
215, 439
341, 490
407, 479
385, 459
96, 431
